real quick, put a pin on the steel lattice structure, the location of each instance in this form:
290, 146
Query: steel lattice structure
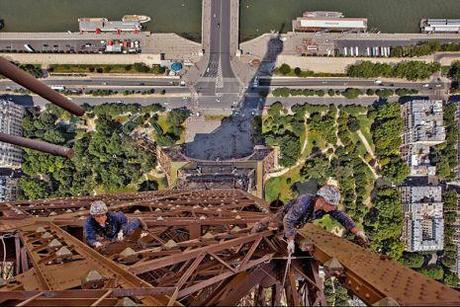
200, 251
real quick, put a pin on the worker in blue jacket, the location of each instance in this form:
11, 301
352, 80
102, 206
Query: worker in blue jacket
296, 213
105, 225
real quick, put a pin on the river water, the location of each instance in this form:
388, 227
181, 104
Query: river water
184, 16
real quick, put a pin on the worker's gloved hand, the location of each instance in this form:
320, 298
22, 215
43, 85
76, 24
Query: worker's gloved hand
362, 236
291, 246
120, 236
144, 234
258, 227
97, 244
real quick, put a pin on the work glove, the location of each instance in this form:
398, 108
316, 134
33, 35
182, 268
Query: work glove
97, 244
291, 247
258, 227
120, 236
361, 235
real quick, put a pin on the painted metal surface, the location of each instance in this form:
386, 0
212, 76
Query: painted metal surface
199, 251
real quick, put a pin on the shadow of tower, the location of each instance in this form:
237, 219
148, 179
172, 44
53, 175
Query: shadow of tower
236, 136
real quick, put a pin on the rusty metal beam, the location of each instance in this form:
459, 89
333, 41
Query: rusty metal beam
209, 254
37, 145
24, 79
186, 255
373, 277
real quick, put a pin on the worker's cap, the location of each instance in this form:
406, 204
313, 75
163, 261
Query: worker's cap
330, 194
98, 207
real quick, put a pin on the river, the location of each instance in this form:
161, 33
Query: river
184, 16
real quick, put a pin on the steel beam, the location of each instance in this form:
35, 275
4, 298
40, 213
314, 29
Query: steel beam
37, 145
24, 79
373, 277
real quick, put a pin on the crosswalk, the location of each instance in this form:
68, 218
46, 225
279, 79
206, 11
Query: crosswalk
220, 76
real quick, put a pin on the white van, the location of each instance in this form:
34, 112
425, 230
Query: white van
29, 48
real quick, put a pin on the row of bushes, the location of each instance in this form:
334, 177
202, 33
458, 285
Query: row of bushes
286, 70
106, 68
423, 48
410, 70
108, 92
350, 93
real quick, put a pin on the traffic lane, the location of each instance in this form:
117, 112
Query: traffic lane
225, 35
292, 101
215, 26
102, 82
351, 83
225, 28
120, 90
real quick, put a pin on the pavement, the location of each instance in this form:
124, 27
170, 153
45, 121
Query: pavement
64, 42
169, 46
46, 59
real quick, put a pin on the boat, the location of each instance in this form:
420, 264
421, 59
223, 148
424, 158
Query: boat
138, 18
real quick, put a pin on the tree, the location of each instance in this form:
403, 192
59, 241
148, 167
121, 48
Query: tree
336, 294
352, 93
451, 279
413, 260
433, 271
353, 123
33, 188
281, 92
290, 149
285, 69
297, 71
411, 70
383, 223
370, 92
317, 169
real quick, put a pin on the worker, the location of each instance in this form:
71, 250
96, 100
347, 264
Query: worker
305, 208
103, 224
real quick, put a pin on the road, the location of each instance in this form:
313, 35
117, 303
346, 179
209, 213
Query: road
218, 78
171, 83
103, 80
348, 82
120, 84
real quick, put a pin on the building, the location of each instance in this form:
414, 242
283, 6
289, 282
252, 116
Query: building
440, 25
11, 123
104, 25
247, 173
423, 128
9, 190
423, 227
423, 122
328, 21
